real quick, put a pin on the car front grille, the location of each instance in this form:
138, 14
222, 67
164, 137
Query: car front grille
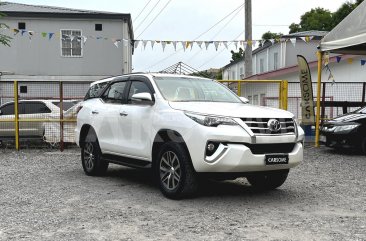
271, 148
259, 126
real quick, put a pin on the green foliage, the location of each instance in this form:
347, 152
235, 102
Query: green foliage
4, 39
237, 55
322, 19
269, 35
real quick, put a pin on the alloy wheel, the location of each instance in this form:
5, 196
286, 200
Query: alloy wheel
170, 171
89, 157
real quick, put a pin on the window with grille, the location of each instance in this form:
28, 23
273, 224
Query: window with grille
71, 43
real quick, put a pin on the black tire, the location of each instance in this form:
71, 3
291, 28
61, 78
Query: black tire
93, 164
268, 180
174, 171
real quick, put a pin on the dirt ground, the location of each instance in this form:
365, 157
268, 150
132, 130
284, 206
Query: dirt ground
44, 195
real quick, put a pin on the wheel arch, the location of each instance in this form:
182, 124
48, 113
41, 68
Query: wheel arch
163, 136
85, 130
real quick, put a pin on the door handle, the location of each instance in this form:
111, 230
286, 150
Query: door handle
94, 112
123, 113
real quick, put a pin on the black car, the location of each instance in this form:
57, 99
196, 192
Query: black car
346, 131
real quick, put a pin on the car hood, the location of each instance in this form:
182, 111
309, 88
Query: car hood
239, 110
351, 117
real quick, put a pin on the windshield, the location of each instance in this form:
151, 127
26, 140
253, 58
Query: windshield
183, 89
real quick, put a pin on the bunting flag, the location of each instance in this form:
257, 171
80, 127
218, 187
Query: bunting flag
273, 41
216, 43
326, 59
16, 31
183, 45
50, 35
207, 44
225, 44
84, 39
363, 62
199, 43
44, 34
30, 33
144, 43
163, 44
236, 44
249, 42
293, 41
23, 32
339, 59
136, 44
152, 44
125, 42
350, 60
175, 45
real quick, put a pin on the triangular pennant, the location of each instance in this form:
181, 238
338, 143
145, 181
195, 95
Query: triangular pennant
363, 62
216, 43
116, 43
97, 38
50, 35
339, 59
30, 33
16, 31
136, 43
303, 38
225, 44
272, 41
293, 41
245, 45
350, 60
199, 43
23, 31
207, 44
152, 42
254, 42
183, 45
144, 43
163, 44
188, 43
84, 39
326, 59
192, 45
175, 45
44, 34
250, 42
236, 44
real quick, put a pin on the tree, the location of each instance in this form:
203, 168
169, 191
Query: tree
322, 19
4, 39
237, 55
315, 19
269, 35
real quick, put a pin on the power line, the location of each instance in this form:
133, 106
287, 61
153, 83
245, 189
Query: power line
154, 18
147, 15
142, 10
169, 56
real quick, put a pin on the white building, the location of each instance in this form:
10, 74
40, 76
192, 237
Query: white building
53, 43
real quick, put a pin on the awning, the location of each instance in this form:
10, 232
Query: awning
349, 36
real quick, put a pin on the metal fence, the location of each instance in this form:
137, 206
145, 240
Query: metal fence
40, 111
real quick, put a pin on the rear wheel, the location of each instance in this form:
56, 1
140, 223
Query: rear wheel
174, 171
268, 180
91, 160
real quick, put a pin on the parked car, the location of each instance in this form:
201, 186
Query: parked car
346, 131
28, 109
183, 127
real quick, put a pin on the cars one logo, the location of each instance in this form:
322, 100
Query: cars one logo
274, 125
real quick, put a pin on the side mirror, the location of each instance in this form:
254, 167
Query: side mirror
142, 98
245, 100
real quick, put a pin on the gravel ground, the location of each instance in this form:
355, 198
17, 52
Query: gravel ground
46, 196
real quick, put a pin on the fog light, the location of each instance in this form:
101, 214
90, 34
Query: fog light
210, 147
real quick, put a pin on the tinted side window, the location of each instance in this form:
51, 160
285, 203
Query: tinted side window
8, 109
95, 90
114, 94
137, 87
34, 108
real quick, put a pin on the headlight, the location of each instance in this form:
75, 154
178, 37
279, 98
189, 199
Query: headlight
211, 120
345, 128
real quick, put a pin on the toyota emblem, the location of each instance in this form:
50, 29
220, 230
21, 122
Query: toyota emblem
274, 125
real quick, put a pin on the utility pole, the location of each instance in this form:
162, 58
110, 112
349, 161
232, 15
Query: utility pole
248, 36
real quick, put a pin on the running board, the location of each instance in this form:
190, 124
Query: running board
126, 161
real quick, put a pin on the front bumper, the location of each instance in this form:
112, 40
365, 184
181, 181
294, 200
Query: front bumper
349, 140
237, 156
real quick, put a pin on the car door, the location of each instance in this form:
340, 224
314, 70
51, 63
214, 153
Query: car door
105, 115
7, 125
31, 110
135, 122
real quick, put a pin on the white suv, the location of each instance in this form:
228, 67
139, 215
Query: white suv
185, 127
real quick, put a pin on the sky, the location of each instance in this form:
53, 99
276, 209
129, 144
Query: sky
185, 20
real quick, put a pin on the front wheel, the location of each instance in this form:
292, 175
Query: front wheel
91, 160
174, 171
268, 180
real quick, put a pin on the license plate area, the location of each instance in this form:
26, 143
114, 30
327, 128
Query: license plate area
276, 159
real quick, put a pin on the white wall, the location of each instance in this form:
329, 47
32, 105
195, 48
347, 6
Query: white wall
40, 56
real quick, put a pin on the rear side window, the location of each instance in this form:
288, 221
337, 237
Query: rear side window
95, 90
34, 108
8, 109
